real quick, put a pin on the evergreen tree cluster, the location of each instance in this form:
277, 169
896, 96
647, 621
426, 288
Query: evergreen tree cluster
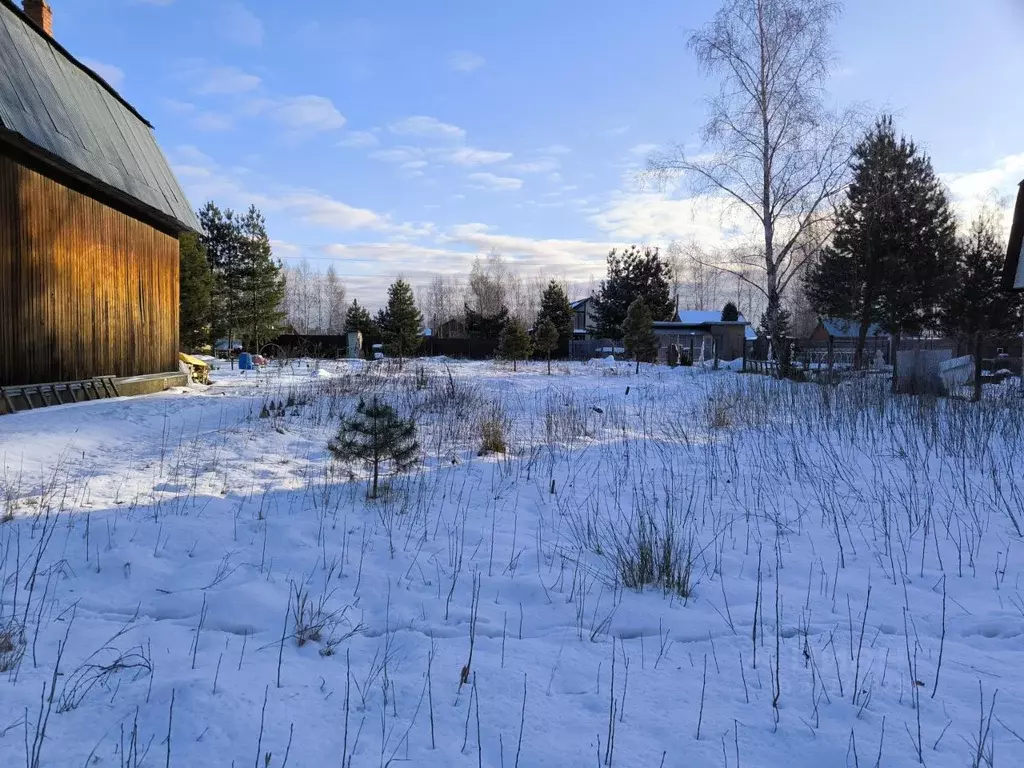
633, 274
196, 293
248, 285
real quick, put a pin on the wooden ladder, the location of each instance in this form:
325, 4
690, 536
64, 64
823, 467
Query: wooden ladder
29, 397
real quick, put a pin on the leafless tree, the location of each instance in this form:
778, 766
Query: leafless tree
776, 151
336, 306
487, 284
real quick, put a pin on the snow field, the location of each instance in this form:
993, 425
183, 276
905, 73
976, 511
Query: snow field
709, 569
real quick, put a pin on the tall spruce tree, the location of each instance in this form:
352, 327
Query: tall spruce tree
223, 250
481, 326
196, 289
515, 344
555, 307
894, 244
638, 332
976, 306
403, 323
632, 275
730, 314
263, 286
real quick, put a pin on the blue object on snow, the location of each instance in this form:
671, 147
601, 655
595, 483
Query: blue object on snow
245, 362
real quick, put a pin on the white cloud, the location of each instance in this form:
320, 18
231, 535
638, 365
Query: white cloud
658, 218
426, 127
642, 150
414, 164
240, 25
358, 139
221, 81
213, 121
471, 156
397, 154
113, 75
495, 182
465, 61
994, 186
572, 257
308, 114
324, 211
543, 165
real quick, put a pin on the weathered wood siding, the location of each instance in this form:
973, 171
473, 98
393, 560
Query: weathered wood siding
85, 290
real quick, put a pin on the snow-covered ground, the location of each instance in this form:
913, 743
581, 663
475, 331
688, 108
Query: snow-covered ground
188, 581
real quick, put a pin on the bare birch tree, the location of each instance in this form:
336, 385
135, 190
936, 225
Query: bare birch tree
775, 150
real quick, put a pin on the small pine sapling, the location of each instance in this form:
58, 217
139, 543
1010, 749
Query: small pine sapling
547, 340
638, 333
515, 342
375, 436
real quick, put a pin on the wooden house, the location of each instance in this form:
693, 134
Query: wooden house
1013, 269
90, 215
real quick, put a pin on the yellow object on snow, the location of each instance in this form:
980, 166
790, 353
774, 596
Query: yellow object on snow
199, 369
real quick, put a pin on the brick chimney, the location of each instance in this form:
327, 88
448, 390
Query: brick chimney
41, 15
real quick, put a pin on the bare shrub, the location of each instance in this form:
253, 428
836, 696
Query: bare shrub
493, 429
12, 646
654, 553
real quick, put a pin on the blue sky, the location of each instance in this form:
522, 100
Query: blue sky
404, 136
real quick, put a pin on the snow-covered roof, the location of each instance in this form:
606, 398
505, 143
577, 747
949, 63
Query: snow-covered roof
841, 328
578, 304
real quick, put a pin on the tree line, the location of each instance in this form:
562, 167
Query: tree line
231, 286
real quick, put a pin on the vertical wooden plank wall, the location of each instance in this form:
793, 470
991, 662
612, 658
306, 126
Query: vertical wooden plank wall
85, 290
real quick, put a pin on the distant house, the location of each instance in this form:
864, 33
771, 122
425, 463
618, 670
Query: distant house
1013, 269
704, 333
90, 215
451, 329
584, 318
839, 329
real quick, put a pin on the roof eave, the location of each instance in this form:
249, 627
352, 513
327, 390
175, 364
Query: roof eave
101, 190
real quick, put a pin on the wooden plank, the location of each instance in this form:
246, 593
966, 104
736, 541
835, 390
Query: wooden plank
56, 395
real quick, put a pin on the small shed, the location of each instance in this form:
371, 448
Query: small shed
699, 331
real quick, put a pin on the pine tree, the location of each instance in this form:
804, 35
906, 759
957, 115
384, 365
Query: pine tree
555, 307
894, 244
262, 286
480, 326
403, 324
547, 339
730, 314
357, 318
638, 332
976, 305
223, 250
375, 436
196, 287
515, 343
632, 275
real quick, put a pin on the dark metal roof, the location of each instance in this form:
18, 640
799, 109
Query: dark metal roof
56, 104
